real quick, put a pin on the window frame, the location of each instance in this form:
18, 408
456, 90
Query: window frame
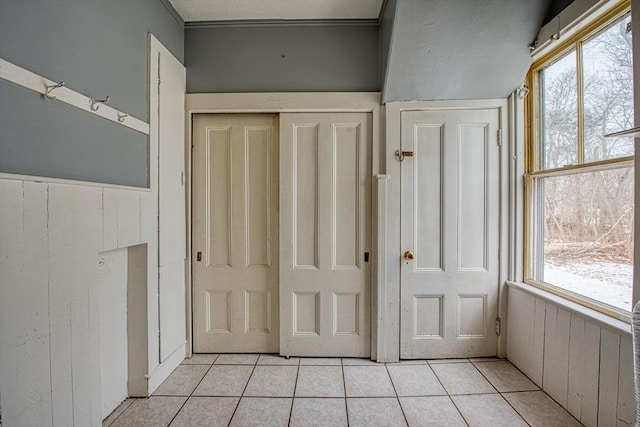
533, 151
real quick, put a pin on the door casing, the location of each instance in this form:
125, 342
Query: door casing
280, 103
385, 286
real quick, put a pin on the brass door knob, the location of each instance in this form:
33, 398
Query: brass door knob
409, 255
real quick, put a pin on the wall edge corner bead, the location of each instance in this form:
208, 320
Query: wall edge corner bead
57, 91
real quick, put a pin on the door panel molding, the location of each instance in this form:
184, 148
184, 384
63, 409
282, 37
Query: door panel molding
388, 291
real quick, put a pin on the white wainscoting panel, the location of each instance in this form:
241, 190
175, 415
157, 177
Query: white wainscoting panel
52, 339
582, 362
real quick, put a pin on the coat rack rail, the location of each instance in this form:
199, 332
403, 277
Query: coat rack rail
57, 91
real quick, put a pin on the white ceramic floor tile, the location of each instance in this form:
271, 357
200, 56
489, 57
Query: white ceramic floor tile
538, 409
415, 380
272, 359
156, 411
487, 410
320, 361
200, 359
224, 380
272, 381
182, 381
436, 411
237, 359
462, 378
375, 412
261, 411
318, 412
206, 412
354, 361
505, 377
117, 412
320, 381
367, 381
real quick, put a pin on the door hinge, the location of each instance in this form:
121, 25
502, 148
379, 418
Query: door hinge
499, 137
498, 326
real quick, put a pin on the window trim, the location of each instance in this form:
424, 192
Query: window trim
533, 154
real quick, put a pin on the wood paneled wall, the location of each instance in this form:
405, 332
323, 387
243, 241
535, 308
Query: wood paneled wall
51, 235
583, 365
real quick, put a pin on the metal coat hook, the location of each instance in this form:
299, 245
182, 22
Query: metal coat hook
122, 116
51, 88
94, 103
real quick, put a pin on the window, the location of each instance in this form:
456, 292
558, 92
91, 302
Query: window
580, 183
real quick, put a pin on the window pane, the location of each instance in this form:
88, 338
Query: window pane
585, 224
608, 92
559, 113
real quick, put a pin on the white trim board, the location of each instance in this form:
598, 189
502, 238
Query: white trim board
30, 80
51, 180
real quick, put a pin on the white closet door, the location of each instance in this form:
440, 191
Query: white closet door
449, 223
325, 217
235, 233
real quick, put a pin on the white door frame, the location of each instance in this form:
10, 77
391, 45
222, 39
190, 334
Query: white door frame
390, 287
282, 103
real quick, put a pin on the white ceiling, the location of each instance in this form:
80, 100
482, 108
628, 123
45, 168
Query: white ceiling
231, 10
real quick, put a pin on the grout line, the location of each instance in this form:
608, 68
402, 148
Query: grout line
386, 368
243, 390
449, 395
485, 378
293, 396
133, 401
512, 407
191, 393
344, 384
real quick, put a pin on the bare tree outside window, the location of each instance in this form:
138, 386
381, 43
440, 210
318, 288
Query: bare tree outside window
584, 217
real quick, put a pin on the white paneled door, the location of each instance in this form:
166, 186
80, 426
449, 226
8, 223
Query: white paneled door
235, 233
325, 203
450, 233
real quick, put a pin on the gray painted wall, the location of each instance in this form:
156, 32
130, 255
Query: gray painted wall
555, 8
98, 48
57, 140
463, 49
314, 58
387, 19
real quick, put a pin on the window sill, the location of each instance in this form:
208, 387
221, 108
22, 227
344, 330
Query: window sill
616, 325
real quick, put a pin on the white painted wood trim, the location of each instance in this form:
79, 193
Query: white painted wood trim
505, 127
618, 326
188, 185
379, 306
48, 180
294, 102
162, 371
30, 80
569, 21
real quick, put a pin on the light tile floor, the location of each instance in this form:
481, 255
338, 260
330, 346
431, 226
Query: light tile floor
268, 390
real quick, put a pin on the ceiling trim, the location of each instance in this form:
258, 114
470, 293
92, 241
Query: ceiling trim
173, 12
383, 7
283, 23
